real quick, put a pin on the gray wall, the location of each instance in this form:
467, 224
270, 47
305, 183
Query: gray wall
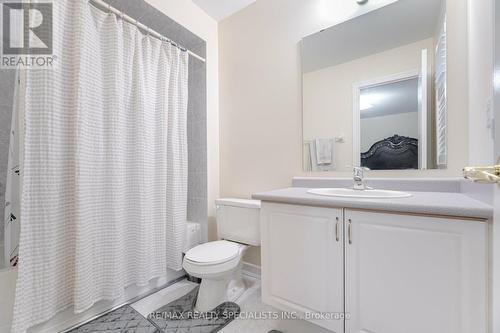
197, 105
7, 86
197, 146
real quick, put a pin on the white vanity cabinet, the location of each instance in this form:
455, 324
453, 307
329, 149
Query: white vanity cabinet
389, 273
415, 274
302, 261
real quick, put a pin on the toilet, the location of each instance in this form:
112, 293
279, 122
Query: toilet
218, 264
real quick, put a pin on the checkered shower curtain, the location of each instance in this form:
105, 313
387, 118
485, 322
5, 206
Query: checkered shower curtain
105, 165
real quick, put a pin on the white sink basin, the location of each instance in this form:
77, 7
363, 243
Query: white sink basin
351, 193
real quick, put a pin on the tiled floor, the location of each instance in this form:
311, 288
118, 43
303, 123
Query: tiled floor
181, 297
148, 305
124, 319
179, 316
251, 305
170, 310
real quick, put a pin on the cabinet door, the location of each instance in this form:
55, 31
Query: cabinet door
302, 262
412, 274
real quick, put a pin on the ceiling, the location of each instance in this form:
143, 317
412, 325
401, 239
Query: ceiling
220, 9
390, 98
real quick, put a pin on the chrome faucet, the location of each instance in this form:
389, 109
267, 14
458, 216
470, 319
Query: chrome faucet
359, 180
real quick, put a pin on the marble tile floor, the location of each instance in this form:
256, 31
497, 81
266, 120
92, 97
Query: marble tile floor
251, 305
123, 319
176, 316
150, 304
179, 316
132, 318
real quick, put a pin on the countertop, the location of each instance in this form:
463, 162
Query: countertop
431, 203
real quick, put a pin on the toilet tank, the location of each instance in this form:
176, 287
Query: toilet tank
238, 220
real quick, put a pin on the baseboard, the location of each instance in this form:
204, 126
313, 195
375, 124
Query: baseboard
251, 270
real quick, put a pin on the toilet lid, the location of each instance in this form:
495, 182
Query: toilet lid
213, 252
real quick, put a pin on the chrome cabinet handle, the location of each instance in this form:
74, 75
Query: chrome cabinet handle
349, 231
337, 229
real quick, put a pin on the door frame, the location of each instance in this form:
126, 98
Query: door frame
495, 301
356, 112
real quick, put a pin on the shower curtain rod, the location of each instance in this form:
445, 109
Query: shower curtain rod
150, 31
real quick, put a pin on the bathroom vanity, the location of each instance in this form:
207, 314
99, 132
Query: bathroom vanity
414, 264
356, 260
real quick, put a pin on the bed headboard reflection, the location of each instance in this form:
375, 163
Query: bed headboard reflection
394, 153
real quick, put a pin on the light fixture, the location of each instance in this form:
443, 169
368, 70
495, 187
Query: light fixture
496, 79
365, 106
361, 2
370, 100
325, 9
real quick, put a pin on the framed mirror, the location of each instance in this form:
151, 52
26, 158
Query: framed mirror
374, 90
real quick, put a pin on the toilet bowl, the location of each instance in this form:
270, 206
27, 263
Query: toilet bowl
219, 263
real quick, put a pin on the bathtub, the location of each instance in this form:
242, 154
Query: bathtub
8, 277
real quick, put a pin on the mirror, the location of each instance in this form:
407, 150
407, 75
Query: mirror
374, 90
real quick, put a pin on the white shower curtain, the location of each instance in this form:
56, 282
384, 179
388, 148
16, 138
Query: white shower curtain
105, 165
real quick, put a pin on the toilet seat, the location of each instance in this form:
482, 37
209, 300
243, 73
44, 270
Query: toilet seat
213, 259
213, 253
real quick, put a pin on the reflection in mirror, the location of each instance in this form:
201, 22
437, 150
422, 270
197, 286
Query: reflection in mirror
389, 125
374, 90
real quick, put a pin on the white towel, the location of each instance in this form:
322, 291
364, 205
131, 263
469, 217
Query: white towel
312, 159
324, 151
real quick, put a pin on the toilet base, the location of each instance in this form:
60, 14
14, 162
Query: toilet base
236, 286
219, 283
211, 294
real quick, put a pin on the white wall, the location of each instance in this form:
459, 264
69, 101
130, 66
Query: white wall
480, 37
374, 129
261, 91
186, 13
